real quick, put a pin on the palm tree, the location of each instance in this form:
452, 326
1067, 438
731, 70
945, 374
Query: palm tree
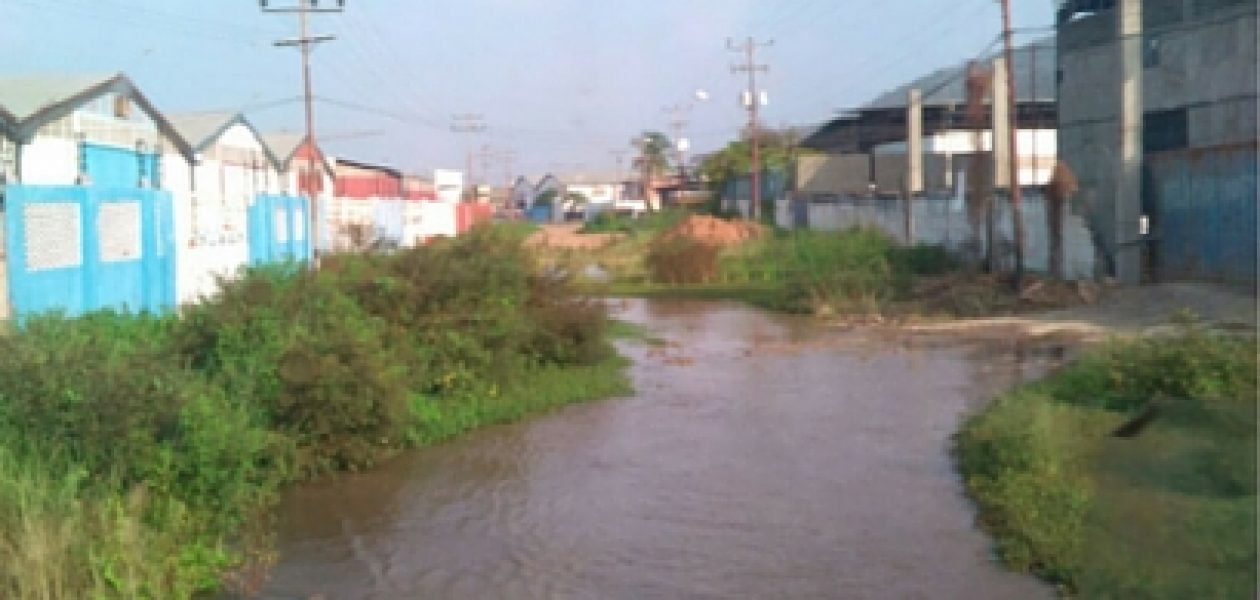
654, 150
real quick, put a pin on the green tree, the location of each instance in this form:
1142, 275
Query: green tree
654, 151
778, 150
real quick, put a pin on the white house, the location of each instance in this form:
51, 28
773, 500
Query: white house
66, 130
100, 134
233, 166
601, 191
294, 158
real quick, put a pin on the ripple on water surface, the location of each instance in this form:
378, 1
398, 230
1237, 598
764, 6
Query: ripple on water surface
763, 457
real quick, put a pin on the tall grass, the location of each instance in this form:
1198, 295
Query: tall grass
1167, 513
853, 271
139, 455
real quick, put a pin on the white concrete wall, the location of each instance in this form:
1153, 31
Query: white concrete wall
943, 221
597, 193
212, 211
50, 161
1037, 148
449, 184
435, 219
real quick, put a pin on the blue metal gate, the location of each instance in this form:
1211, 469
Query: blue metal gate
78, 249
278, 229
1204, 205
114, 167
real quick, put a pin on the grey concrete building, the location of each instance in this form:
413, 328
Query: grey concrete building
1193, 97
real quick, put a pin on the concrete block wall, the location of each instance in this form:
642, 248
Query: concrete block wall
942, 220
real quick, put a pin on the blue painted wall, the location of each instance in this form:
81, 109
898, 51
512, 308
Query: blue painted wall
143, 282
266, 244
1205, 214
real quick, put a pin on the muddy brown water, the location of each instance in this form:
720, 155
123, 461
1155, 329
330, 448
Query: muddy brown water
760, 457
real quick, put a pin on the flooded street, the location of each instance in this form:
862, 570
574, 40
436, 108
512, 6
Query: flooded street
761, 457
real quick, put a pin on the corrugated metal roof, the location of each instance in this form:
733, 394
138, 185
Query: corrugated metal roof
948, 86
200, 129
27, 102
24, 95
283, 145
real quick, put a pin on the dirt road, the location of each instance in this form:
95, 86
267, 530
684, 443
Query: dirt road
1125, 310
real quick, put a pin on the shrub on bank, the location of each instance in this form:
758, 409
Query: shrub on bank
164, 439
1167, 510
682, 260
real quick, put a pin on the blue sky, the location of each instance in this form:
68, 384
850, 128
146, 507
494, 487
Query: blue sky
562, 83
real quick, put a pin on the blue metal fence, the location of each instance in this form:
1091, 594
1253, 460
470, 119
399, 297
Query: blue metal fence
78, 249
738, 190
279, 229
1205, 213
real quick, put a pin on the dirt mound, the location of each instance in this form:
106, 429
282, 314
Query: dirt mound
714, 231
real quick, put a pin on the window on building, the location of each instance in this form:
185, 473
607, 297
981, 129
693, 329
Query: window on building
122, 107
1151, 52
1165, 130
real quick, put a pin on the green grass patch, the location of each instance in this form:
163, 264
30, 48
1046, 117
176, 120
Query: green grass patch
649, 224
440, 418
519, 228
1167, 513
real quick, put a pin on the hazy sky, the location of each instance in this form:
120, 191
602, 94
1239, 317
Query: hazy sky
562, 83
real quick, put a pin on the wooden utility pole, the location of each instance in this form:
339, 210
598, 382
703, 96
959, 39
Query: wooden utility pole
1017, 199
752, 100
304, 42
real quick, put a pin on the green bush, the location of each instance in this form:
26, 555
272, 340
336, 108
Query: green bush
1194, 366
679, 260
1168, 512
608, 222
155, 468
922, 259
163, 440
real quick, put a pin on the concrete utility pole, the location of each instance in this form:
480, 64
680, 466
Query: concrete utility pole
304, 41
752, 100
914, 156
620, 157
509, 162
472, 124
486, 155
1129, 179
1001, 126
1017, 199
677, 126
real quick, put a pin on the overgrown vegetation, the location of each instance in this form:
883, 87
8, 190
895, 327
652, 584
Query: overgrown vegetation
1130, 474
139, 455
858, 271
